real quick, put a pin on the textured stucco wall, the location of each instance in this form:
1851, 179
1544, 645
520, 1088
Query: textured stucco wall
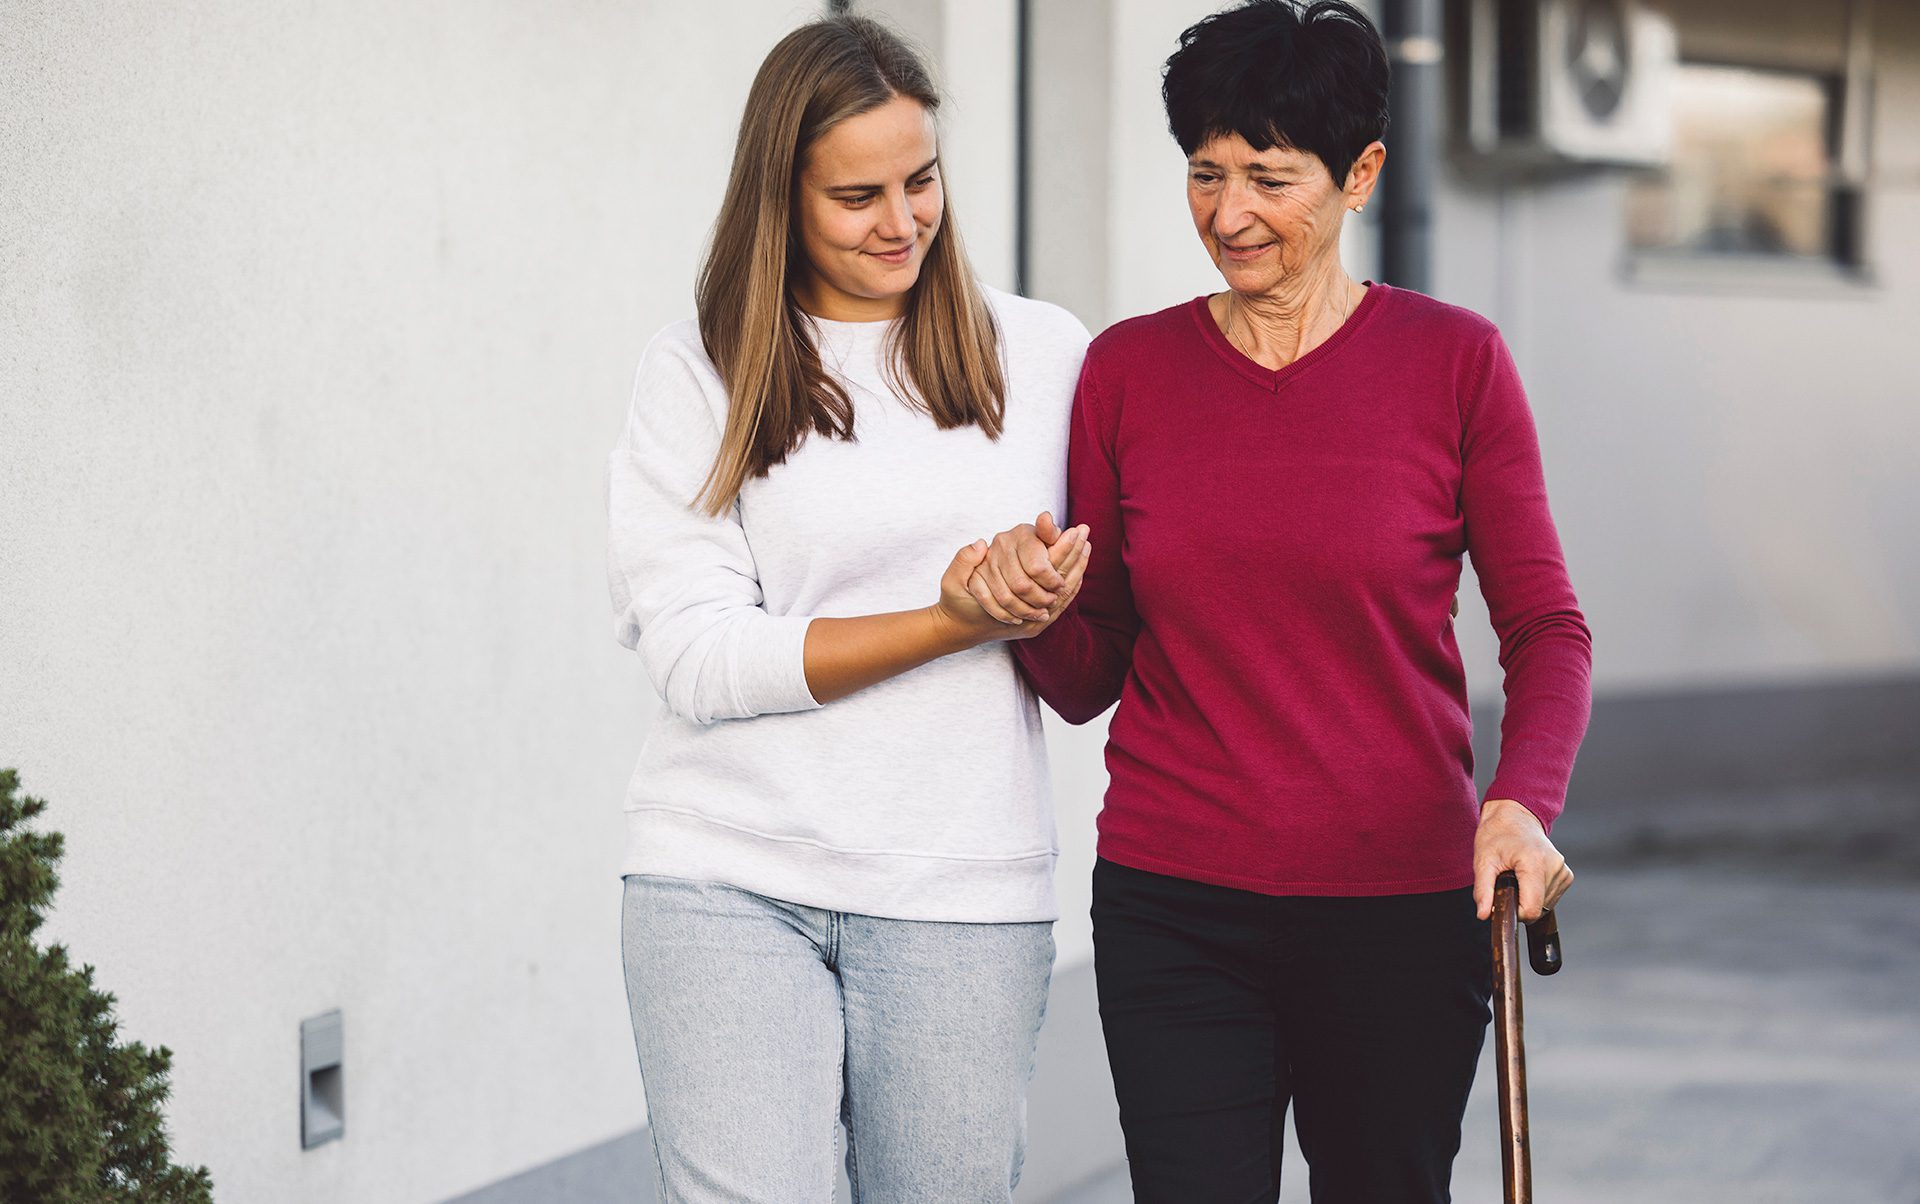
318, 323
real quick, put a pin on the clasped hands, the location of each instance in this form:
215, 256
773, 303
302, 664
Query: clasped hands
1015, 585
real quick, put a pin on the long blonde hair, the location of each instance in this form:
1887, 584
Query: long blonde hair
945, 353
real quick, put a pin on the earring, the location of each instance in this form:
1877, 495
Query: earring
1360, 208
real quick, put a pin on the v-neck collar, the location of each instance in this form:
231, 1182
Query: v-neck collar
1271, 379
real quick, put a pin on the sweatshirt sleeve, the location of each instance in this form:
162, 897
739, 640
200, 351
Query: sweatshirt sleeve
1545, 648
686, 593
1080, 664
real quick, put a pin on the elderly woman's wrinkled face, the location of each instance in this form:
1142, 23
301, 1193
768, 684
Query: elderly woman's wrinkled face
1268, 217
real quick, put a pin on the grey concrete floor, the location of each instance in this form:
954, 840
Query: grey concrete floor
1739, 1017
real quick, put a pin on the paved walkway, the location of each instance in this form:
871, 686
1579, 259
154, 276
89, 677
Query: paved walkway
1739, 1019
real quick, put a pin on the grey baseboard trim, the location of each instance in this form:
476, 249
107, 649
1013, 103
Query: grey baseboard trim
620, 1171
1073, 1126
1727, 738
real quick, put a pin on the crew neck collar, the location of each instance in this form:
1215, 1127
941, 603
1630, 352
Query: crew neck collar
850, 334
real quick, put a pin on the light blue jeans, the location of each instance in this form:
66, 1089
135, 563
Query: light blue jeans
763, 1026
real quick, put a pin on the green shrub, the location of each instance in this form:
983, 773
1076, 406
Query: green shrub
80, 1114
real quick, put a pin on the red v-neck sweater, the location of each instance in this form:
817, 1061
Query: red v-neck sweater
1275, 555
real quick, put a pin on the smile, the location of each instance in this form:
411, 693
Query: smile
1244, 254
894, 257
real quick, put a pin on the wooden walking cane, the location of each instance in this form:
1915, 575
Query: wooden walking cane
1543, 950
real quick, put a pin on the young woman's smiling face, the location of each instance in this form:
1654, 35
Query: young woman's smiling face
868, 206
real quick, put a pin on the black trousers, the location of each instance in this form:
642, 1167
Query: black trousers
1221, 1006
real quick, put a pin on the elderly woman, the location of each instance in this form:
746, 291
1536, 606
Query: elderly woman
1294, 872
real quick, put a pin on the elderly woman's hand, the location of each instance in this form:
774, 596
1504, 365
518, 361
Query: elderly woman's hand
1023, 574
1030, 573
1510, 838
967, 603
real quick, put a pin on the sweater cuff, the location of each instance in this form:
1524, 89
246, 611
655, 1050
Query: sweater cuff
773, 668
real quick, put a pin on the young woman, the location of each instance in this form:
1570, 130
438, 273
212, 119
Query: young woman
839, 874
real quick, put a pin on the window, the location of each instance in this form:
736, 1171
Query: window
1754, 178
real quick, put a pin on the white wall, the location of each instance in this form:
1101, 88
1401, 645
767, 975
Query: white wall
1157, 258
318, 325
977, 131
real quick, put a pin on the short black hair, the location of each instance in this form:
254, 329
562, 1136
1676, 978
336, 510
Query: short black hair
1311, 77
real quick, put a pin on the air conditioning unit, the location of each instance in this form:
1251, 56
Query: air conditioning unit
1543, 83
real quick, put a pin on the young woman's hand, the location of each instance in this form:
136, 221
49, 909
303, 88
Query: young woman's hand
967, 604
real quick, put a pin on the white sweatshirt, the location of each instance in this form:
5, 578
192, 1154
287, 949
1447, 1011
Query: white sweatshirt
924, 797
